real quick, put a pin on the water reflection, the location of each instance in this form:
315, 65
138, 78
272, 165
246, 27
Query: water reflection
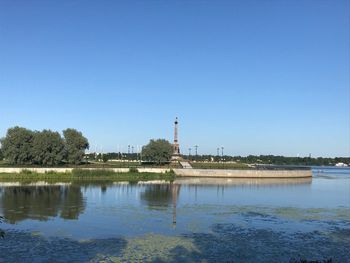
161, 196
41, 202
243, 181
215, 219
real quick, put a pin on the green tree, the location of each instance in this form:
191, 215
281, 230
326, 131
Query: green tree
16, 146
1, 155
158, 151
75, 144
48, 148
105, 158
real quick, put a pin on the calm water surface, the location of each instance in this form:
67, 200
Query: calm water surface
188, 220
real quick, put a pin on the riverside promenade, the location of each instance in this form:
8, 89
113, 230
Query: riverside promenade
208, 173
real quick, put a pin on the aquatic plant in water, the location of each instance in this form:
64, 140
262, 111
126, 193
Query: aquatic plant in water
2, 233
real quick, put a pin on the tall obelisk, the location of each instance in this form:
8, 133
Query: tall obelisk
176, 153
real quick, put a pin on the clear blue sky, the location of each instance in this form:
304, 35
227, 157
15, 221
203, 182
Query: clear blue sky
257, 77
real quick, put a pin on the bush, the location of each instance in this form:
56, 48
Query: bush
93, 172
133, 170
26, 171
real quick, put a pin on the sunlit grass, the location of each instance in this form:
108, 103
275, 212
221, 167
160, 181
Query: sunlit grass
202, 165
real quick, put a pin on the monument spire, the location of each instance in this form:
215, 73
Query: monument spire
176, 153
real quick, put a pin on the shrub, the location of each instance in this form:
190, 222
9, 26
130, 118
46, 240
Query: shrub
26, 171
133, 170
94, 172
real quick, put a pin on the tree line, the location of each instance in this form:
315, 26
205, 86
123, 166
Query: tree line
157, 151
160, 151
270, 159
23, 146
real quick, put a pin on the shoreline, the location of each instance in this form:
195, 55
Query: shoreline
133, 173
81, 175
245, 173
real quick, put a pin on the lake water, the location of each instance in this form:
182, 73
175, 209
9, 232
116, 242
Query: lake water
188, 220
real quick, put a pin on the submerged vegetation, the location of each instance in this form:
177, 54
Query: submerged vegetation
226, 244
2, 233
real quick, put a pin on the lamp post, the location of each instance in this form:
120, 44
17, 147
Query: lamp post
196, 148
141, 147
222, 154
189, 153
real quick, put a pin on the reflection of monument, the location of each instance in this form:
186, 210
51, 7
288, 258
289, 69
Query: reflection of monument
175, 193
162, 196
176, 153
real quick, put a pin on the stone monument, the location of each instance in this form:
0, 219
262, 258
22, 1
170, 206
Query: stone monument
176, 153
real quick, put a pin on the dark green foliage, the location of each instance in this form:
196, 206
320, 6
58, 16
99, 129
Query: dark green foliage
92, 172
26, 171
133, 170
240, 161
270, 159
157, 151
16, 200
17, 145
48, 148
85, 175
76, 144
1, 155
22, 147
113, 156
105, 158
2, 233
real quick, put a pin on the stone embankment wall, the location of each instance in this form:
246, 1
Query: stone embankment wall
243, 173
154, 170
183, 172
215, 181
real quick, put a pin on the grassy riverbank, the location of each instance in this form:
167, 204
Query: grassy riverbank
203, 165
79, 174
95, 164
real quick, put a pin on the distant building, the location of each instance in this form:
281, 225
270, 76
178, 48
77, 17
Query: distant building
341, 165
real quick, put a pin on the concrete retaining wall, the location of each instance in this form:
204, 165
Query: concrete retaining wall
184, 172
154, 170
243, 173
215, 181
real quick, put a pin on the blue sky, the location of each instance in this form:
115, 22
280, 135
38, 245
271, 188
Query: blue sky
257, 77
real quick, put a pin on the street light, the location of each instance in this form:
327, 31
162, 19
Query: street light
196, 147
